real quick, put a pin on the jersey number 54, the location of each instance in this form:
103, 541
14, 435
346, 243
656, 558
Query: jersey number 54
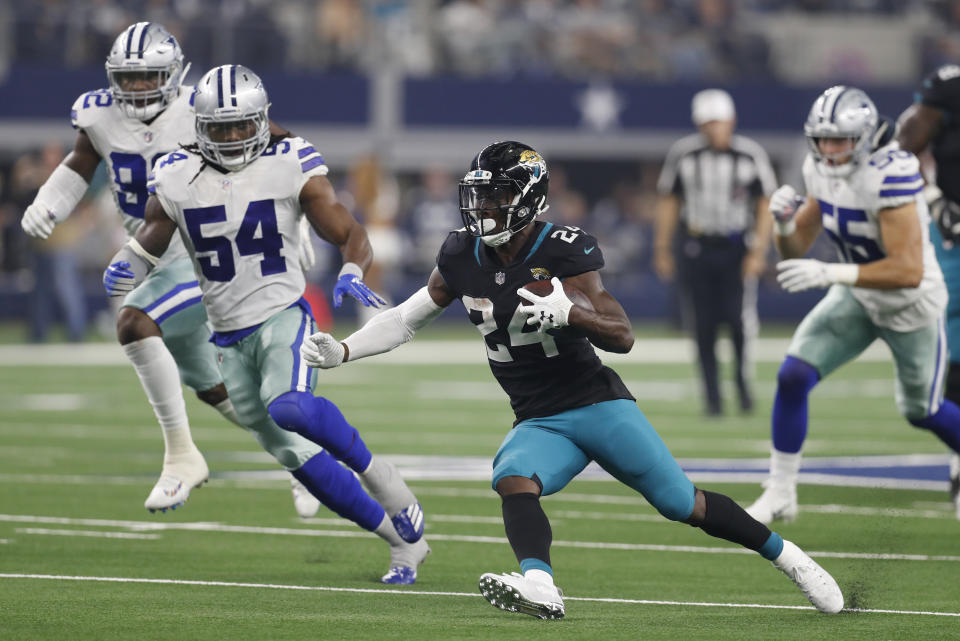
220, 265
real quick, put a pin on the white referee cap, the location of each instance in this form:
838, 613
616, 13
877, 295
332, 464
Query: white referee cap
712, 104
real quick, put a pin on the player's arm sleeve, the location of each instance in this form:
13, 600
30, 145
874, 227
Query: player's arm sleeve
61, 192
394, 327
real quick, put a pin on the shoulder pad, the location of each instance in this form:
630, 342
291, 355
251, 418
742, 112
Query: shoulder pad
568, 236
892, 177
311, 161
90, 107
457, 242
172, 173
947, 73
576, 250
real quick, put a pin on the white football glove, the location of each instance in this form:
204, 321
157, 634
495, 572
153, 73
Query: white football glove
550, 311
322, 350
308, 257
38, 221
799, 274
784, 204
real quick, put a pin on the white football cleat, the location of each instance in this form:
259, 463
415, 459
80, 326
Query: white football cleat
515, 593
306, 504
404, 561
181, 473
955, 482
815, 582
777, 503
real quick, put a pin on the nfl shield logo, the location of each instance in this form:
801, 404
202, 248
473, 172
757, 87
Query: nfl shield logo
148, 136
499, 278
225, 183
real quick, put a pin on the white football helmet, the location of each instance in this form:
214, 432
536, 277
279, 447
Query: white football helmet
841, 112
144, 53
233, 127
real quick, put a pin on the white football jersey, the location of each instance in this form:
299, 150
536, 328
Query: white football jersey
241, 228
130, 148
849, 208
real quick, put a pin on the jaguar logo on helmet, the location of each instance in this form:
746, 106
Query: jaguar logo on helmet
539, 273
533, 161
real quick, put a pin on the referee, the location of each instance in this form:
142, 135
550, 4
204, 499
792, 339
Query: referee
712, 234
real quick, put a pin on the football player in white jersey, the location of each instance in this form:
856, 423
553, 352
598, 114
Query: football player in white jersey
865, 193
162, 326
237, 198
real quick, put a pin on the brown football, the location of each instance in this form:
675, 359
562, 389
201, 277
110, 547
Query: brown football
544, 288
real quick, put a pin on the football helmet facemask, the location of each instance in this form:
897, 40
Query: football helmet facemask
841, 112
144, 68
504, 191
232, 124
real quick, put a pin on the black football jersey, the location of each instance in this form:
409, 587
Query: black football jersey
542, 373
941, 90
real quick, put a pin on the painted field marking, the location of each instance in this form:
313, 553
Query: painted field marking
90, 533
426, 352
207, 526
321, 588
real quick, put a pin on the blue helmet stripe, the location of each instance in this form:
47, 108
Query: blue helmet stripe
833, 110
130, 38
233, 85
220, 87
143, 39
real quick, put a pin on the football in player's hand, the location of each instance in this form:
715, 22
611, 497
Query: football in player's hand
544, 288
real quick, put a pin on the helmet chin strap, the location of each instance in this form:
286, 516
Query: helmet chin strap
497, 239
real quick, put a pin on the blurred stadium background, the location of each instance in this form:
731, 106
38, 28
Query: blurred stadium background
399, 94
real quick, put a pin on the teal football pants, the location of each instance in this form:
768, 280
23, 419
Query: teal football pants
949, 260
616, 435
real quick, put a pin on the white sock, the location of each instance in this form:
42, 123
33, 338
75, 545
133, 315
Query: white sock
540, 576
161, 381
388, 533
784, 468
386, 486
226, 408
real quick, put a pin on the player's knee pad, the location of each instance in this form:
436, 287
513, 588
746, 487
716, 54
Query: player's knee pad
321, 421
796, 376
293, 411
932, 421
674, 502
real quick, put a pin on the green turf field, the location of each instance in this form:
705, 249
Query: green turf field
81, 559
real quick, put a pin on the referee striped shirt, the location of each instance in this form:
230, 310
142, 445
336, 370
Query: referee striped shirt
717, 189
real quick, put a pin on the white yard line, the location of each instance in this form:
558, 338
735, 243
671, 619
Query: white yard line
90, 533
206, 526
321, 588
423, 352
449, 469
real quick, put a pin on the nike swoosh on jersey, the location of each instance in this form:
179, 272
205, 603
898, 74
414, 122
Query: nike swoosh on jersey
587, 250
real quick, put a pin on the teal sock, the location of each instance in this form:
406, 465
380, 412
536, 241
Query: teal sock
772, 548
536, 564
